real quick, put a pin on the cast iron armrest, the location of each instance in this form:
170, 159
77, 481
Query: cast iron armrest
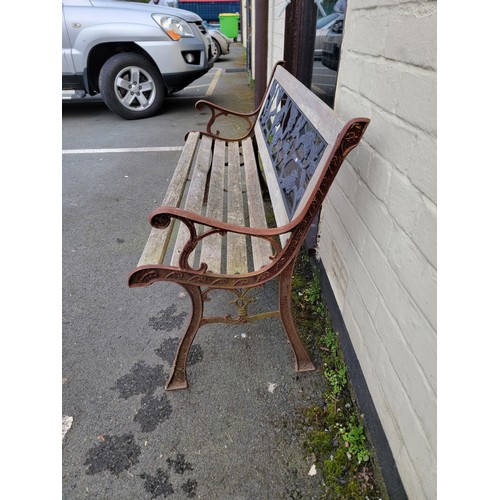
160, 218
218, 111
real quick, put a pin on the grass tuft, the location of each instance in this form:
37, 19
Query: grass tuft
334, 431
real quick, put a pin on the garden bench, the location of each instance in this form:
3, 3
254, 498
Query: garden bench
213, 228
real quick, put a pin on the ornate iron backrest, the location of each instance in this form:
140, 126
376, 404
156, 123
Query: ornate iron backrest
294, 145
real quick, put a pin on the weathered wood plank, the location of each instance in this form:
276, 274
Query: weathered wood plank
261, 249
318, 113
157, 243
196, 191
211, 251
236, 244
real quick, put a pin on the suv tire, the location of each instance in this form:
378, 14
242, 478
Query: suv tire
131, 86
217, 50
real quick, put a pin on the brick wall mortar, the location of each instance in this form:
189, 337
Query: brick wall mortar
407, 314
379, 275
389, 421
379, 223
377, 113
377, 4
371, 285
382, 331
392, 189
393, 391
404, 32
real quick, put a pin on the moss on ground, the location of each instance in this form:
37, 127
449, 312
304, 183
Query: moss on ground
334, 431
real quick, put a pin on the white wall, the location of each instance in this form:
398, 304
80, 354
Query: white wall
244, 21
276, 34
252, 43
378, 227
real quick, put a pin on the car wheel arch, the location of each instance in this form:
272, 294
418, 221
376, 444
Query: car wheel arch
99, 54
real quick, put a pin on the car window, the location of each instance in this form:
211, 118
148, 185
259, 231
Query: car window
325, 20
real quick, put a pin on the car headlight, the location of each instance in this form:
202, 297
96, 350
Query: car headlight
338, 26
175, 28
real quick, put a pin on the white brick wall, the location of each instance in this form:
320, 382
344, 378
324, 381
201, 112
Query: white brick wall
378, 227
276, 34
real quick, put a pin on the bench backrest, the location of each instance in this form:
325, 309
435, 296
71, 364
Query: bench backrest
297, 135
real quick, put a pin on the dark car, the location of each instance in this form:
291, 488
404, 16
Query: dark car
330, 54
323, 26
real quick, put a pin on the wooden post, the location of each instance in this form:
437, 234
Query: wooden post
260, 36
300, 35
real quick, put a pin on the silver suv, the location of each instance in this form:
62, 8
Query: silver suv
132, 54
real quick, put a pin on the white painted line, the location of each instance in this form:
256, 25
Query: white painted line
196, 86
318, 90
211, 89
121, 150
67, 422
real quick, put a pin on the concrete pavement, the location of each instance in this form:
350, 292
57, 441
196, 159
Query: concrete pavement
234, 433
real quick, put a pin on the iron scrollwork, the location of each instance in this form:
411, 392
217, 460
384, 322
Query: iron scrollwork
294, 145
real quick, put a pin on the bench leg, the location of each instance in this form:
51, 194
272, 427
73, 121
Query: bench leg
303, 361
178, 377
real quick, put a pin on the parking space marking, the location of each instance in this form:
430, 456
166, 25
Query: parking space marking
214, 82
121, 150
216, 74
211, 87
197, 86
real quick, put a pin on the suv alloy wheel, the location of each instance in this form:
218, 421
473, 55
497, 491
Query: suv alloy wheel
131, 86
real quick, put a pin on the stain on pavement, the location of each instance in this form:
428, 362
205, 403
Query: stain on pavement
189, 488
113, 453
168, 348
179, 464
153, 411
167, 319
142, 379
161, 483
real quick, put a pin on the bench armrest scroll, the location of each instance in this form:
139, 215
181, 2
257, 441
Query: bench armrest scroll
218, 111
160, 218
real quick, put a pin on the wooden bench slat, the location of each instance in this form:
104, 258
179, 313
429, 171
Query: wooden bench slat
157, 243
317, 112
261, 249
194, 200
211, 251
236, 244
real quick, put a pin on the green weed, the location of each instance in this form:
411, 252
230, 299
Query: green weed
335, 434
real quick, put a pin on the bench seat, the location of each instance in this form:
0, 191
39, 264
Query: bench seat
220, 180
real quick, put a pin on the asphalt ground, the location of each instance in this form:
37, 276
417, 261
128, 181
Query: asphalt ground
234, 433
